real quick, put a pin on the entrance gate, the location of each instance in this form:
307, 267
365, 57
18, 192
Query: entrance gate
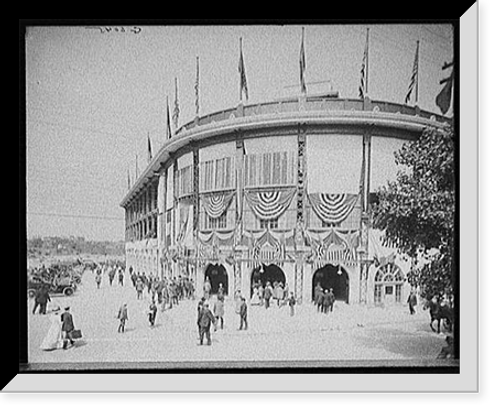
217, 274
332, 277
266, 273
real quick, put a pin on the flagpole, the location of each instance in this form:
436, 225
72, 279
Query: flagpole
302, 65
367, 57
176, 107
416, 79
197, 88
241, 55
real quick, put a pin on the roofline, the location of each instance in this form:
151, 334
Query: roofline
371, 116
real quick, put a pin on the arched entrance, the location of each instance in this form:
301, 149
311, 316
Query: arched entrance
266, 273
217, 274
388, 285
332, 277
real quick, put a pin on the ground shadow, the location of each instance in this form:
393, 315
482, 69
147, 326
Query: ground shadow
407, 344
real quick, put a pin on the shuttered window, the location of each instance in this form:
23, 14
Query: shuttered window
270, 169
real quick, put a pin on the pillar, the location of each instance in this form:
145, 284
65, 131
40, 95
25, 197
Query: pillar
364, 222
161, 219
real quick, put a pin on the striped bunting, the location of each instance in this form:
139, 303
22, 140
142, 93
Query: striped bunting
269, 205
216, 204
333, 208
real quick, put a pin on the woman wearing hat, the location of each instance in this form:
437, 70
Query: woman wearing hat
53, 338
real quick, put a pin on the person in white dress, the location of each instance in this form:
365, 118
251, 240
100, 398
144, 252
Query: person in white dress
255, 299
53, 339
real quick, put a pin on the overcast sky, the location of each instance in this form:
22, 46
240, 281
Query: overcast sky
94, 95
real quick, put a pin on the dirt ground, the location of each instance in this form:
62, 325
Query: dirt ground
352, 334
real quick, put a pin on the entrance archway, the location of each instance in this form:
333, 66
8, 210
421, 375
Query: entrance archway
217, 274
332, 277
266, 273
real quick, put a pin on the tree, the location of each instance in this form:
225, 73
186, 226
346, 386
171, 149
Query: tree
417, 211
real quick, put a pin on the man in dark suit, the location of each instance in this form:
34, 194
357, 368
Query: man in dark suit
243, 314
67, 327
205, 321
42, 297
268, 293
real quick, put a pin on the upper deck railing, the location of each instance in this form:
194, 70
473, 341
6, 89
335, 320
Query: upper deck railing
310, 103
312, 107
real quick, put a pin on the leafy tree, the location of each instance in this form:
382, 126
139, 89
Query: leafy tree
417, 211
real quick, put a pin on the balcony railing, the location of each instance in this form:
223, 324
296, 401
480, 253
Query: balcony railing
311, 103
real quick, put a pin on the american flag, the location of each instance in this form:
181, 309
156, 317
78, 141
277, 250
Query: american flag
241, 70
363, 87
413, 79
175, 115
169, 130
150, 151
197, 87
302, 65
443, 100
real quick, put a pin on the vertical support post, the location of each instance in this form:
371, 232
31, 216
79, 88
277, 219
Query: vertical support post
196, 191
161, 219
300, 225
364, 222
238, 230
301, 174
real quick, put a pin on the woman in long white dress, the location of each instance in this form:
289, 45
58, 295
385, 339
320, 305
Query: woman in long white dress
53, 338
255, 299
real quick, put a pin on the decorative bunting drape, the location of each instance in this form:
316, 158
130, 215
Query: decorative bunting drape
183, 221
332, 247
269, 205
333, 208
216, 204
267, 246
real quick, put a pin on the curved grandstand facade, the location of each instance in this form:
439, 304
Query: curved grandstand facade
278, 191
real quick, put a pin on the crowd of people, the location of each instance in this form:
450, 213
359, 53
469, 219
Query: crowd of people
162, 294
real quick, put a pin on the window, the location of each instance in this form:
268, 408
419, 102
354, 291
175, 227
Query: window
185, 181
216, 223
269, 169
388, 282
217, 174
269, 224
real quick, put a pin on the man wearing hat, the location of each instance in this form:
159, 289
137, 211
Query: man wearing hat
67, 327
205, 320
122, 317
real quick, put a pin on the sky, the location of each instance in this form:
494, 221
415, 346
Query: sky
94, 94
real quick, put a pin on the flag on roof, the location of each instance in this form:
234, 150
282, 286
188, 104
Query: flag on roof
302, 65
243, 78
414, 78
363, 87
443, 99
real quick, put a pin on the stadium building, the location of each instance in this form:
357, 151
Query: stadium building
276, 191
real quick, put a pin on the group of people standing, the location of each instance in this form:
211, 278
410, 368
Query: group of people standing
162, 292
207, 318
324, 299
110, 272
264, 295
